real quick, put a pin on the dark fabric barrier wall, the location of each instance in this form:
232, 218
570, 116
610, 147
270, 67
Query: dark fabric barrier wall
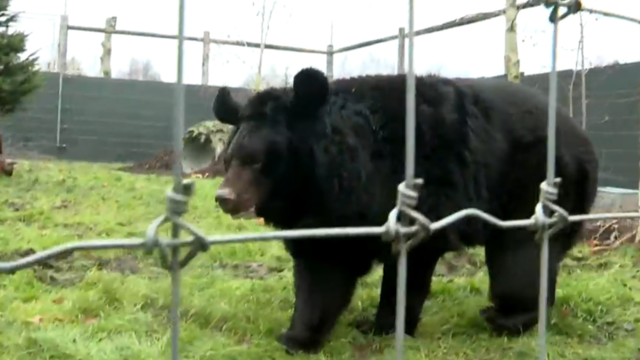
115, 120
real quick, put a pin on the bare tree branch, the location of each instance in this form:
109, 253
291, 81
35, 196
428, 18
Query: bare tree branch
73, 66
140, 70
583, 76
573, 76
263, 38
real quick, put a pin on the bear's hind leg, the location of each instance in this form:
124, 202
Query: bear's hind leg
513, 260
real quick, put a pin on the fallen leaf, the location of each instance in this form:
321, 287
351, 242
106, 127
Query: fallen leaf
36, 319
90, 320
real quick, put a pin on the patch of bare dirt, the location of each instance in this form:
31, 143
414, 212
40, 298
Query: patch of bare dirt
368, 350
67, 270
162, 164
126, 265
6, 164
605, 235
249, 270
462, 263
15, 205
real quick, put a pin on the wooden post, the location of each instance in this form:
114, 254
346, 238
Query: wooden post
105, 64
206, 49
511, 59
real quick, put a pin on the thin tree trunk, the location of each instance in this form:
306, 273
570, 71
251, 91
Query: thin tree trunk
583, 76
511, 58
264, 32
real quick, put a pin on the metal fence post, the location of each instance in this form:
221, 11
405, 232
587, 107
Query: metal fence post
62, 68
206, 50
402, 38
330, 62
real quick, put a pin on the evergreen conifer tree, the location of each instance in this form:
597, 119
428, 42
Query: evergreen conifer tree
19, 74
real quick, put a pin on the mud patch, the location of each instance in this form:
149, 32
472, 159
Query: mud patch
67, 270
249, 270
460, 264
162, 164
125, 265
367, 350
15, 205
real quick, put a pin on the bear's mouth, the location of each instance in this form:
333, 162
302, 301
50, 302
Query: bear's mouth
246, 214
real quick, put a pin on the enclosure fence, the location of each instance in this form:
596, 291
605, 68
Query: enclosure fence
110, 28
405, 226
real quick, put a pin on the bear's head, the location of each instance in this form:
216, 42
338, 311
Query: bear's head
265, 155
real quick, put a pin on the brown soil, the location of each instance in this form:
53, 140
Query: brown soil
607, 235
69, 269
6, 165
162, 164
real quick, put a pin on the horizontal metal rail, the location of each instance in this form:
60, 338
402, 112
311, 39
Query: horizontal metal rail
462, 21
473, 19
139, 243
242, 43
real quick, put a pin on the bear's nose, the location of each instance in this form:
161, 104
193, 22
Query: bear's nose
225, 198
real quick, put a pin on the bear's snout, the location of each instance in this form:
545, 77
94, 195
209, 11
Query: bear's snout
227, 200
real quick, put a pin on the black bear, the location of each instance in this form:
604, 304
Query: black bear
324, 154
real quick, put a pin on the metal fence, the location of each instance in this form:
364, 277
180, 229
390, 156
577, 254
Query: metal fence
404, 226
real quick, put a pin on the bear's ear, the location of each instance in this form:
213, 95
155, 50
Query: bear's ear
310, 90
225, 109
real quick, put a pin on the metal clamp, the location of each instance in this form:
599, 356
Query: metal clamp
571, 6
177, 205
548, 216
408, 196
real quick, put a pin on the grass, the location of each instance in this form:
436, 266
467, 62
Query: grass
237, 298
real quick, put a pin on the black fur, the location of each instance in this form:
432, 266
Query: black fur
336, 160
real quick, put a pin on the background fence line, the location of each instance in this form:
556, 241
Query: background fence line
198, 241
117, 120
87, 107
206, 40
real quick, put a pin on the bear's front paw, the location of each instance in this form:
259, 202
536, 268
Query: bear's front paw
369, 326
509, 325
297, 343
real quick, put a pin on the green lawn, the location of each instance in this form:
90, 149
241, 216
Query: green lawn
237, 298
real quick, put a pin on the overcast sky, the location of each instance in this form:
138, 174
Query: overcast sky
475, 50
